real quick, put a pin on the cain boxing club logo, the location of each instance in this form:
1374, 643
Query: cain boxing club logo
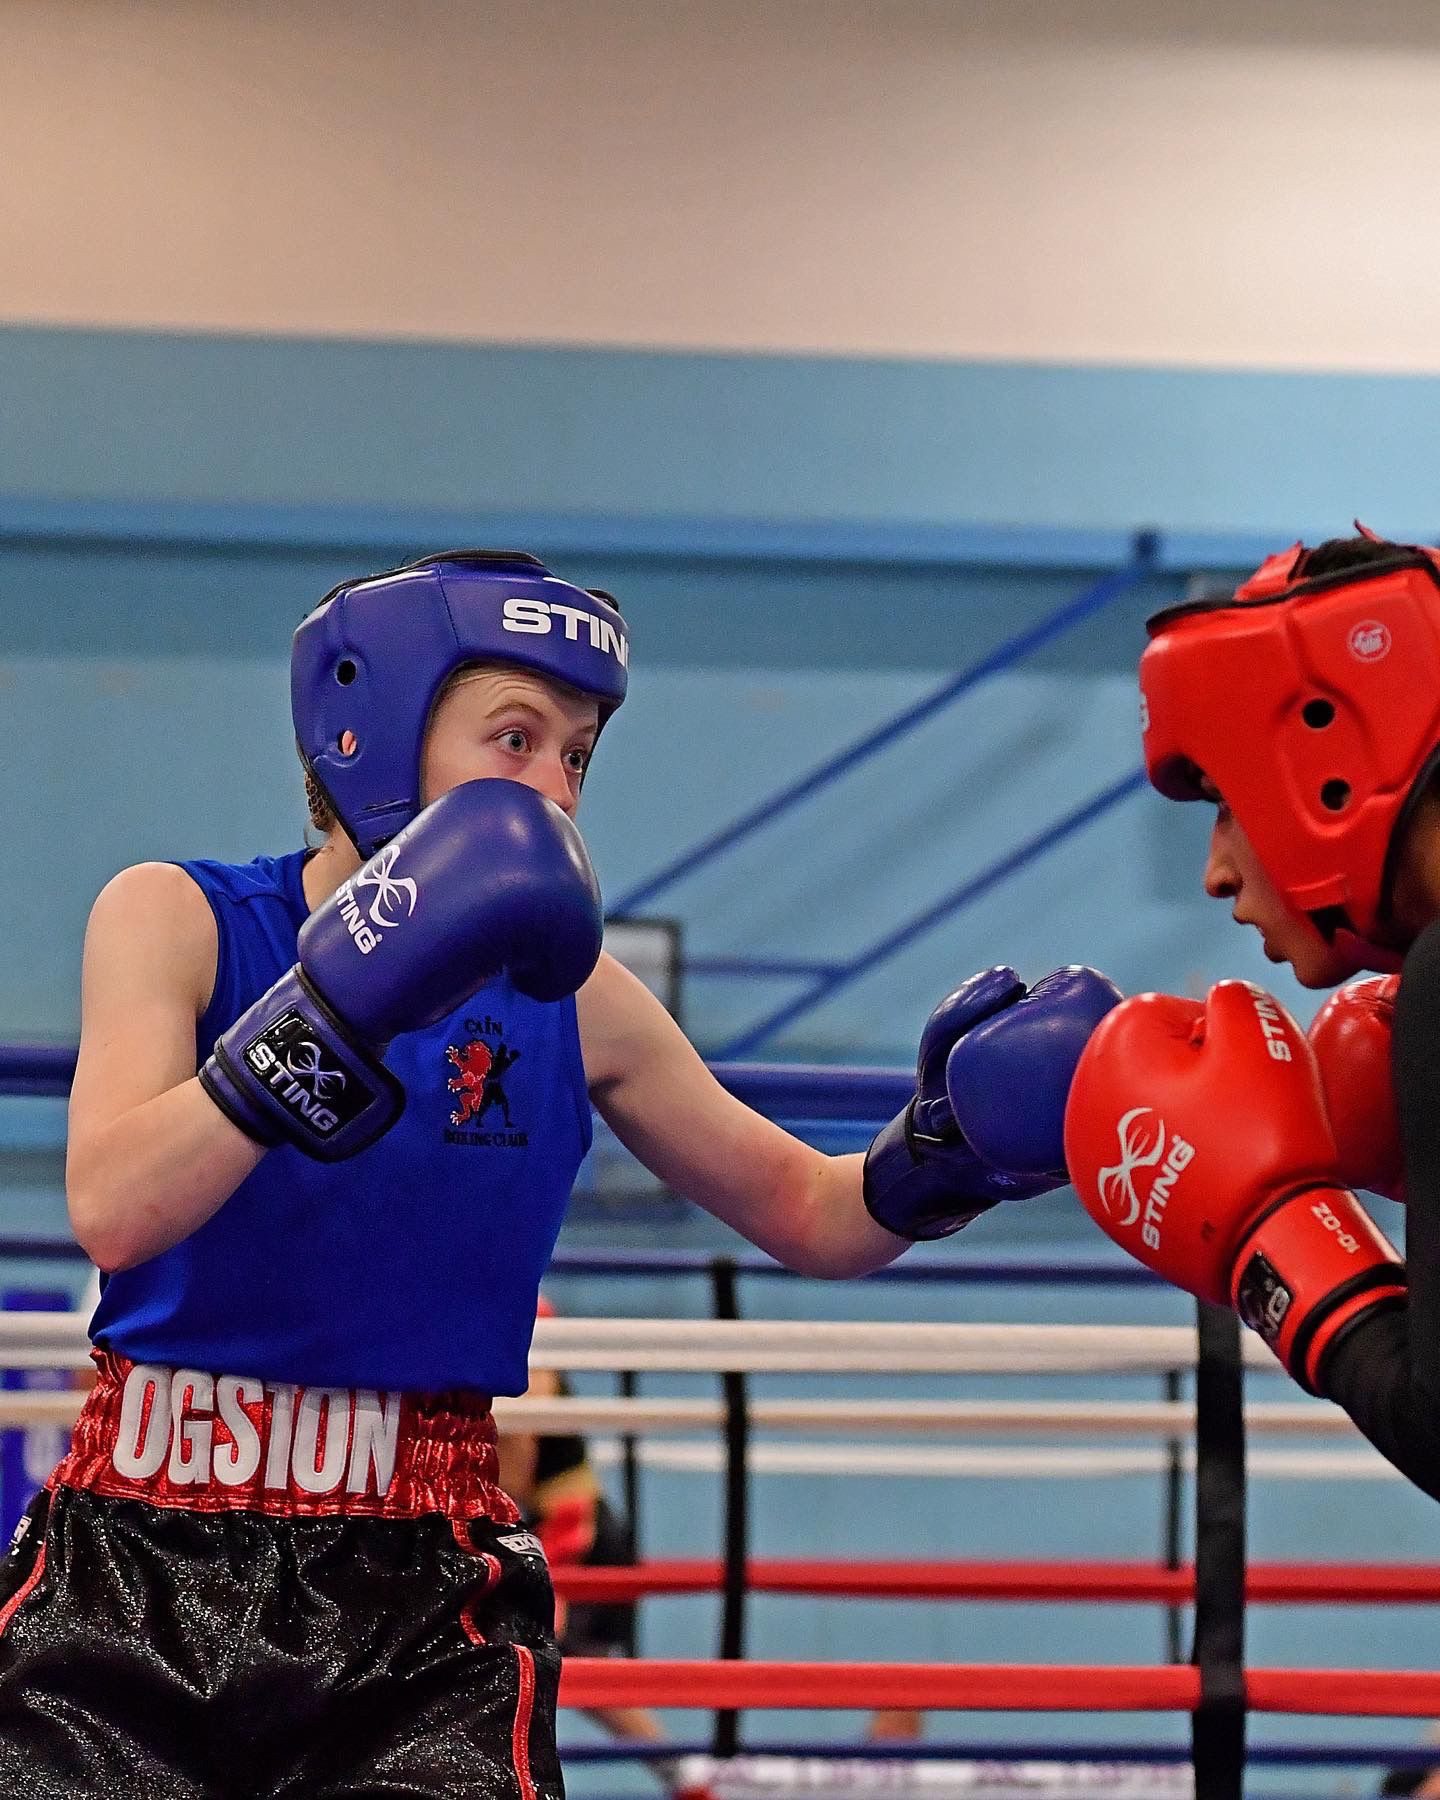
394, 900
1143, 1147
481, 1064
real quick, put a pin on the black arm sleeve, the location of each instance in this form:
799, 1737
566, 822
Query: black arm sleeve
1386, 1371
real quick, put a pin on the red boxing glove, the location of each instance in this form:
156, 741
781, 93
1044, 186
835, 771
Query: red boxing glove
1197, 1139
1351, 1040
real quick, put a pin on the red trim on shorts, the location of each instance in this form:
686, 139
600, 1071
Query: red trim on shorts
493, 1572
203, 1442
22, 1593
524, 1707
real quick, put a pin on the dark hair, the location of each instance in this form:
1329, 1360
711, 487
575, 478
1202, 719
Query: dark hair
322, 816
1404, 1781
1336, 555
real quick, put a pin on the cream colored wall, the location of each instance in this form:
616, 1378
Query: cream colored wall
1142, 182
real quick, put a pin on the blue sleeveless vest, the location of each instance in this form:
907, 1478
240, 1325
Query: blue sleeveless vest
413, 1266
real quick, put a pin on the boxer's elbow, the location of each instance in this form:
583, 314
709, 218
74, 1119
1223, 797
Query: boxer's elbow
109, 1225
109, 1242
120, 1214
141, 1182
831, 1236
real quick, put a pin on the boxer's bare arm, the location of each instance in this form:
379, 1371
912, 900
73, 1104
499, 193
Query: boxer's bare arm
150, 1156
650, 1086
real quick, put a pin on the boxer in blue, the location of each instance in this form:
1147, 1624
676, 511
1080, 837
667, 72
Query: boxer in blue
276, 1560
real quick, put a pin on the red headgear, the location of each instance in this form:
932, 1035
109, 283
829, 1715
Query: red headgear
1313, 705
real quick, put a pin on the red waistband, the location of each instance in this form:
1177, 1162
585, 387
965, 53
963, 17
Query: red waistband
217, 1443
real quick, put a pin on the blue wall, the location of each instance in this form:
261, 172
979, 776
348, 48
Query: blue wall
803, 544
720, 439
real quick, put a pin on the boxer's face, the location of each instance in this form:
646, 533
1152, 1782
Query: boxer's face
499, 721
1233, 872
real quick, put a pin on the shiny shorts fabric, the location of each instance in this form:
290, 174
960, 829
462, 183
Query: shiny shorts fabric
150, 1653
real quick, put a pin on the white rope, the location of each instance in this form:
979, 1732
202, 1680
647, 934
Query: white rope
938, 1418
59, 1330
759, 1777
1004, 1464
1024, 1463
828, 1347
39, 1407
869, 1418
710, 1346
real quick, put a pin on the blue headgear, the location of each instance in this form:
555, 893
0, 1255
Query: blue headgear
369, 663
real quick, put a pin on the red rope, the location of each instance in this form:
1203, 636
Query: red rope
984, 1687
1290, 1583
606, 1681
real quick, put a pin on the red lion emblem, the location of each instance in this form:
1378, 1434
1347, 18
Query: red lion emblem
474, 1061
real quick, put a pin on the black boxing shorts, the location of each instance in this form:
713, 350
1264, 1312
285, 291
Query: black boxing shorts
232, 1590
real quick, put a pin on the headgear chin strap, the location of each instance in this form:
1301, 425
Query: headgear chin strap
1312, 703
368, 665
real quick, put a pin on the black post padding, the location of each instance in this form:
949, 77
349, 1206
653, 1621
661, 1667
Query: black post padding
725, 1305
630, 1488
1218, 1726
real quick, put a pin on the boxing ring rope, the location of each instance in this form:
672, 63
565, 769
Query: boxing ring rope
1101, 1583
989, 1687
783, 1346
792, 1090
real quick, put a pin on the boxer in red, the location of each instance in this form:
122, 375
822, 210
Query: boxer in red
1213, 1139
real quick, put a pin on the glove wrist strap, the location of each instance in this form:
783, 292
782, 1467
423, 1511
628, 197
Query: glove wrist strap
908, 1195
1313, 1265
288, 1071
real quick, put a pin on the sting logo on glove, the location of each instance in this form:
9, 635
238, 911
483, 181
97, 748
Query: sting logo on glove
391, 890
1116, 1183
288, 1062
1274, 1024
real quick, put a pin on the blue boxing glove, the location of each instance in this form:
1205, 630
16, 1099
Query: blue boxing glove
988, 1117
491, 877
